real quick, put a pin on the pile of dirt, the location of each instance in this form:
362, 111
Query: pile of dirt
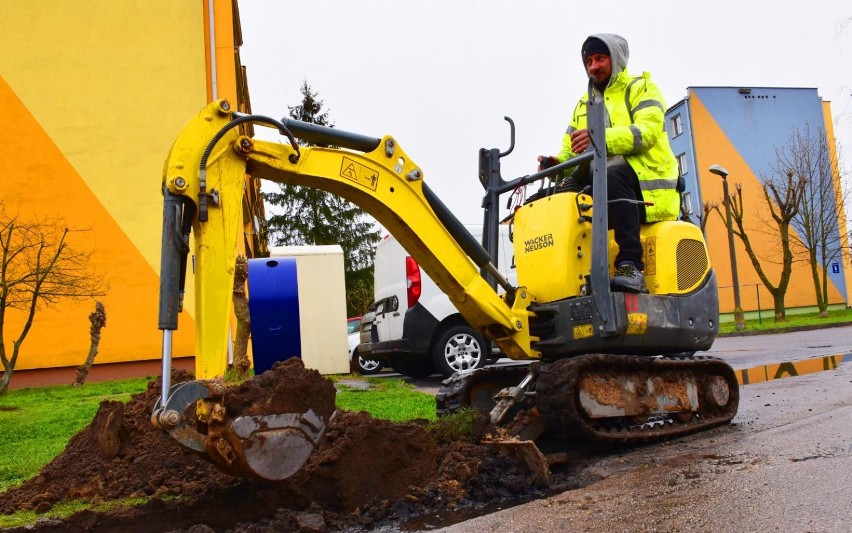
365, 472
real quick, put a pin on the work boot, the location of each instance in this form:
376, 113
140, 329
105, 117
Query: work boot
628, 278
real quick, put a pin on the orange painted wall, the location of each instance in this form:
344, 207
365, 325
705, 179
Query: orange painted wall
713, 147
94, 93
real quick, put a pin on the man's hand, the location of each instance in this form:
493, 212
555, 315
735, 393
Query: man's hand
546, 161
580, 140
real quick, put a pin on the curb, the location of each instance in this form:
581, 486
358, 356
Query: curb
789, 329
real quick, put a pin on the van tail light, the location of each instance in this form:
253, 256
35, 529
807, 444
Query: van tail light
412, 281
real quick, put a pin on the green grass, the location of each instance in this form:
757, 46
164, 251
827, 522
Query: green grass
390, 399
768, 325
62, 510
36, 424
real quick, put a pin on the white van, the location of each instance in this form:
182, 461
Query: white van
415, 328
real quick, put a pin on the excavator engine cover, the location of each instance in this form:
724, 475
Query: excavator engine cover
553, 250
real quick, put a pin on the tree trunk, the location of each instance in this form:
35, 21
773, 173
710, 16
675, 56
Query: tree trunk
98, 320
823, 279
821, 298
780, 311
241, 311
823, 309
4, 381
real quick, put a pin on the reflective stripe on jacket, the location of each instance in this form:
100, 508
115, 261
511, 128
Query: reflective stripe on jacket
635, 129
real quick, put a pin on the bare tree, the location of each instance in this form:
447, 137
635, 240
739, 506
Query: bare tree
782, 194
38, 269
810, 157
98, 322
706, 208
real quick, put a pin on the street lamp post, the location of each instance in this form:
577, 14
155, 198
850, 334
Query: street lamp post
739, 319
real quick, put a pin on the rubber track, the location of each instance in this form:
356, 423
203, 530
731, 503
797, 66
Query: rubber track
556, 395
557, 398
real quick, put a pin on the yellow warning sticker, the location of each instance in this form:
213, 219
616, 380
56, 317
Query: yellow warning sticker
360, 174
650, 256
583, 331
637, 323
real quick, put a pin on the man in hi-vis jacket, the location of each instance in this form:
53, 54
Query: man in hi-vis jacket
640, 163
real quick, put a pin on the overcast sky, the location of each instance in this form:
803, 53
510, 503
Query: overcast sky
440, 75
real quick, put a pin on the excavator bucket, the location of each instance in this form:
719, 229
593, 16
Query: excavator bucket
266, 427
271, 447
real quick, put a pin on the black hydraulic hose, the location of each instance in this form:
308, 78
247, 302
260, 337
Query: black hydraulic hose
324, 135
310, 132
242, 119
203, 196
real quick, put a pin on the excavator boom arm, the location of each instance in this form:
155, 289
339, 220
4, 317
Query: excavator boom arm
375, 174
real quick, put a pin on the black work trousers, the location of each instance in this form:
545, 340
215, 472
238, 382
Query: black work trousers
624, 217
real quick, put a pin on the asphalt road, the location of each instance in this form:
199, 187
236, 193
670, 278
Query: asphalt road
784, 464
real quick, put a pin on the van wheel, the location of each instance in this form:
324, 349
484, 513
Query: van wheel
459, 348
418, 368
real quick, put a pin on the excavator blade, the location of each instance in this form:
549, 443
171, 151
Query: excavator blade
523, 451
502, 392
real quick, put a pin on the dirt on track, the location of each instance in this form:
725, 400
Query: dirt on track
366, 472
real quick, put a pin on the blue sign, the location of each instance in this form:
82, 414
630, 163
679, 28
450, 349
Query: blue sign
835, 268
274, 311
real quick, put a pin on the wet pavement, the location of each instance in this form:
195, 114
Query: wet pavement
753, 350
742, 353
783, 465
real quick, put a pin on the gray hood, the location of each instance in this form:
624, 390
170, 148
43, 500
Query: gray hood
619, 53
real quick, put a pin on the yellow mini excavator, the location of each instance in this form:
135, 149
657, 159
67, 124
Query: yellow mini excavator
592, 363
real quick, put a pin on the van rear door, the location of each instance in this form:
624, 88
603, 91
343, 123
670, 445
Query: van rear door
390, 288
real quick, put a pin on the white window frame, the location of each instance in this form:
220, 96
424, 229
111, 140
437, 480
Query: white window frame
681, 165
677, 125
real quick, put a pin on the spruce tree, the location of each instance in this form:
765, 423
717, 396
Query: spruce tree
306, 216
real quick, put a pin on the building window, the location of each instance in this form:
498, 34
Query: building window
677, 126
681, 165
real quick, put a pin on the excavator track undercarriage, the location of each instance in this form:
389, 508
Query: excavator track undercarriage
606, 398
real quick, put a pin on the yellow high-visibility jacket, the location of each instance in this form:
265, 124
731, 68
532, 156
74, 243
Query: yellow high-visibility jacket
635, 129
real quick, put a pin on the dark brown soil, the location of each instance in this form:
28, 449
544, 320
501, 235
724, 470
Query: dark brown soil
366, 472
